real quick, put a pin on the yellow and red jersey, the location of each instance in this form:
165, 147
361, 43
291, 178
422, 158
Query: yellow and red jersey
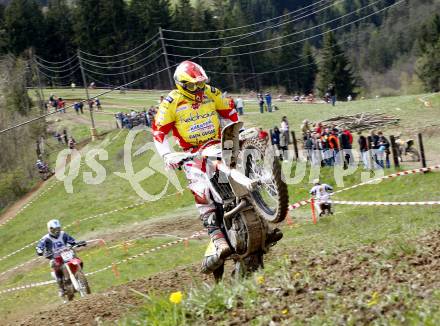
192, 123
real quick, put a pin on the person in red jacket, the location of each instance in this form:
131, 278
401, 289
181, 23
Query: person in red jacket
263, 135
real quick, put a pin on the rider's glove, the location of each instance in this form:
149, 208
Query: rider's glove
39, 251
173, 160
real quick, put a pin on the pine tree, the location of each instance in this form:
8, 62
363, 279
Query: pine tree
24, 26
335, 69
290, 56
309, 69
59, 42
100, 25
428, 65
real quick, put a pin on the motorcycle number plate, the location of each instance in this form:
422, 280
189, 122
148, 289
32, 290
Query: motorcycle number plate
67, 255
210, 250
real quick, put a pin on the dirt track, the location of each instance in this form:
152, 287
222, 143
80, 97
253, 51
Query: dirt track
117, 301
349, 274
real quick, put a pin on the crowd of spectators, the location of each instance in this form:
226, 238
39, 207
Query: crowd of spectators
135, 118
329, 145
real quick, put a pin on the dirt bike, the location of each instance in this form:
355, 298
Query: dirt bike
326, 209
405, 147
73, 275
246, 184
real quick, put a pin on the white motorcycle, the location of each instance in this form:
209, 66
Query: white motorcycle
245, 180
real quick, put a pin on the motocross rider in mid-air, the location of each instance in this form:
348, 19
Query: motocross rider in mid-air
195, 113
52, 242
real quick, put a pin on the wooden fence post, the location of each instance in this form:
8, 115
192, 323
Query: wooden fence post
422, 150
394, 151
295, 145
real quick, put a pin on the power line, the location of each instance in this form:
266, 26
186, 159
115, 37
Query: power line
138, 80
56, 71
119, 67
59, 77
121, 60
124, 72
283, 36
290, 43
56, 62
299, 17
120, 54
245, 26
55, 66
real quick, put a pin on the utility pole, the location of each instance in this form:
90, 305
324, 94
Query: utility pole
164, 50
92, 129
34, 68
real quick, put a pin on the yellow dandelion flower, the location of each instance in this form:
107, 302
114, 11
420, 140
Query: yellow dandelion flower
285, 311
176, 297
297, 275
260, 280
374, 299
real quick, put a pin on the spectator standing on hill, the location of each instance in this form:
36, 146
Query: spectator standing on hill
319, 128
76, 107
308, 146
363, 147
384, 151
334, 145
72, 143
268, 98
305, 128
373, 143
98, 104
275, 137
58, 137
285, 128
332, 93
66, 139
81, 106
239, 105
61, 105
260, 102
90, 104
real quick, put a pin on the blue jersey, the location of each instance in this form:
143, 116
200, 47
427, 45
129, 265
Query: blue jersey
51, 245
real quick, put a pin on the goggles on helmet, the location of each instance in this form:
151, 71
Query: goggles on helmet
192, 87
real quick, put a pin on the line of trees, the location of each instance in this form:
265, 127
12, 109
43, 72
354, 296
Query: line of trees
362, 52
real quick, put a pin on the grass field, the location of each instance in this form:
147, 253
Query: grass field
390, 230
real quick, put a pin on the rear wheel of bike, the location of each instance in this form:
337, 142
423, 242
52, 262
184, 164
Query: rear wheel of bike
83, 283
270, 199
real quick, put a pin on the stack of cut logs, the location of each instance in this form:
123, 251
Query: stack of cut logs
361, 121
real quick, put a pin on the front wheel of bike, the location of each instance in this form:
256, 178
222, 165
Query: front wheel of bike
270, 198
84, 288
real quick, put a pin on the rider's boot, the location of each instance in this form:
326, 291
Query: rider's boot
60, 284
222, 248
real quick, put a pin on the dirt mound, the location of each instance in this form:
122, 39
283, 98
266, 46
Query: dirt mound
370, 284
117, 301
316, 283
